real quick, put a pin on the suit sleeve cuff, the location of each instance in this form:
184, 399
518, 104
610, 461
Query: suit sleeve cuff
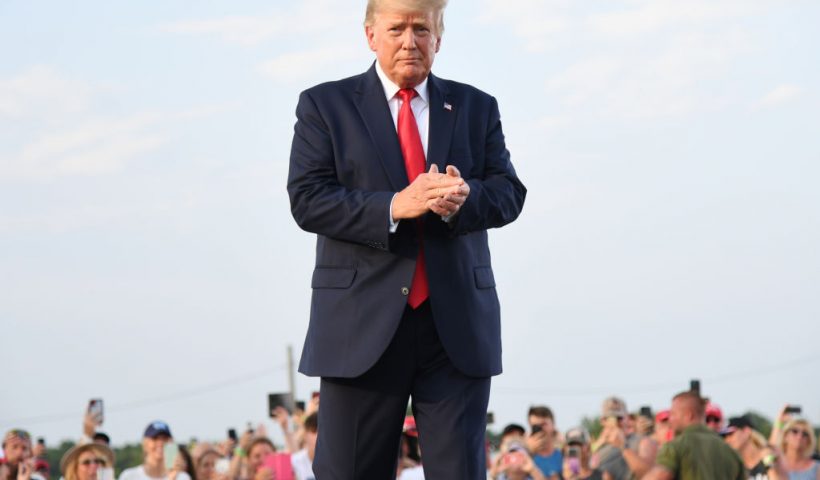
394, 225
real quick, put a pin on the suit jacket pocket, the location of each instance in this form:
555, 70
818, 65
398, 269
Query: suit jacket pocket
484, 277
333, 277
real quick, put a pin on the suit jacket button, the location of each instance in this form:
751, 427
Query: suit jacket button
405, 291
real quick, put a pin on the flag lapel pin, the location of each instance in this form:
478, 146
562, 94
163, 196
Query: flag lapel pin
448, 107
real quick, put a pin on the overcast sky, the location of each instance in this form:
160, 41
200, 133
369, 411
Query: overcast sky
148, 256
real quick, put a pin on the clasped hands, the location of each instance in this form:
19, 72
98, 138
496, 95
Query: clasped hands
440, 193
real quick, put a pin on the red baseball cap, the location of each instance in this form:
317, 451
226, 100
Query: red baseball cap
712, 410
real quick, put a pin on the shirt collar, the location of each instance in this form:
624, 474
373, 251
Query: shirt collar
390, 88
698, 427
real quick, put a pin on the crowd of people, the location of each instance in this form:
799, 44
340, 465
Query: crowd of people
690, 440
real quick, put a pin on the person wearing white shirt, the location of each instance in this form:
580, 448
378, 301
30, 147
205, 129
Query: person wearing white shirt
156, 436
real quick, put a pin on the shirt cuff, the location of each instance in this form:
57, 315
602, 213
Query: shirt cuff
394, 225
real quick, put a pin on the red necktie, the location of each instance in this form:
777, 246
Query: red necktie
414, 163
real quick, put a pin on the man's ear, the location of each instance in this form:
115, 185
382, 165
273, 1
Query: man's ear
438, 43
369, 32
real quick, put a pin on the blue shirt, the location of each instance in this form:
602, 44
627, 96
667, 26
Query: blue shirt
550, 464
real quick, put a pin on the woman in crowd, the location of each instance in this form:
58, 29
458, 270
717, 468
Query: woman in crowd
83, 462
184, 462
259, 448
797, 446
204, 458
759, 459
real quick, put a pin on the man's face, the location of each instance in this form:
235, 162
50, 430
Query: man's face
405, 44
16, 449
581, 451
628, 425
545, 423
152, 449
680, 415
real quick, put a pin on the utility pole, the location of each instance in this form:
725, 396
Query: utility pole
291, 373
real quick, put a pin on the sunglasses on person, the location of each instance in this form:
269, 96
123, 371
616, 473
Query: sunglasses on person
90, 461
712, 419
797, 431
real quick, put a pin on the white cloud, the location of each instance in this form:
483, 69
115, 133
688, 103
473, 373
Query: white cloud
782, 94
92, 147
66, 136
540, 24
668, 82
251, 30
300, 65
659, 15
40, 90
244, 30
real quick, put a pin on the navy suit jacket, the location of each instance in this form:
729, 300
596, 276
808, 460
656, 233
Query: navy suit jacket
345, 166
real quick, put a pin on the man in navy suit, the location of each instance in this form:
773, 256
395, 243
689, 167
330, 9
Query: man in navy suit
400, 174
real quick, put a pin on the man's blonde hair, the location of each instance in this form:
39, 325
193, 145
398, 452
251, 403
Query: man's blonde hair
436, 6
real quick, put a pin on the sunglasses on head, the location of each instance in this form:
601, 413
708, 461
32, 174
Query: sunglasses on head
797, 431
89, 461
21, 434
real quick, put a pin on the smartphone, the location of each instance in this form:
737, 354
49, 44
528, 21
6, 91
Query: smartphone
280, 400
694, 385
794, 409
300, 405
573, 452
574, 464
646, 411
513, 458
232, 434
537, 428
170, 451
250, 427
279, 464
41, 441
490, 418
95, 409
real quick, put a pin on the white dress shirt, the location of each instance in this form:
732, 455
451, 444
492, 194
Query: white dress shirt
421, 111
419, 104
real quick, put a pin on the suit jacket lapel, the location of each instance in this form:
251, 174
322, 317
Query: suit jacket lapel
442, 121
375, 113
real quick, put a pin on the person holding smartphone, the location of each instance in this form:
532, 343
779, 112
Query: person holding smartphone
18, 456
89, 461
541, 443
784, 416
515, 463
797, 444
577, 454
622, 455
159, 456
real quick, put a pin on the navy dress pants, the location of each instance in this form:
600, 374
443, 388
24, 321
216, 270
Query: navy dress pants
361, 419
